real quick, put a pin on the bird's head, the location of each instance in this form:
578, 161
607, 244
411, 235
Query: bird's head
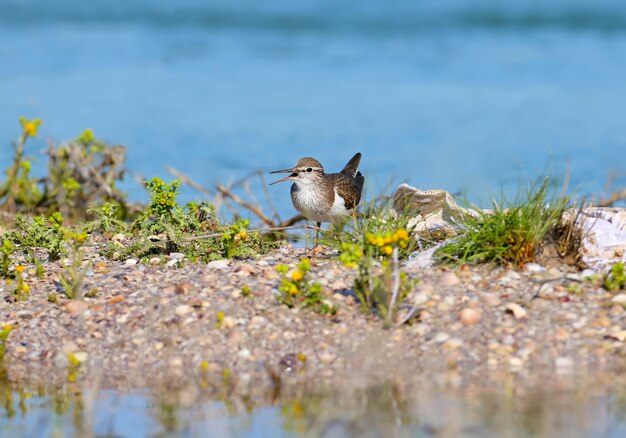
306, 171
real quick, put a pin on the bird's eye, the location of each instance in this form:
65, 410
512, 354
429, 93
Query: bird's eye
308, 169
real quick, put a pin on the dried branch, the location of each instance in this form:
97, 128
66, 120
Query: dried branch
613, 198
260, 230
225, 193
186, 180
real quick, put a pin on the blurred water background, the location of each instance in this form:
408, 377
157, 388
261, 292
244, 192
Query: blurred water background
469, 96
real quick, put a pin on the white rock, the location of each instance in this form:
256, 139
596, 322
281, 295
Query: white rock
244, 353
131, 262
81, 356
419, 299
183, 309
604, 237
448, 279
564, 363
533, 267
441, 337
518, 311
619, 299
218, 264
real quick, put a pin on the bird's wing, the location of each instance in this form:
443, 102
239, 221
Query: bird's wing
352, 166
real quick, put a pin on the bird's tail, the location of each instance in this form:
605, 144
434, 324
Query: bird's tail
350, 169
359, 180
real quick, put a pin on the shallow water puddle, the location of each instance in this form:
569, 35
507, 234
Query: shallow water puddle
389, 408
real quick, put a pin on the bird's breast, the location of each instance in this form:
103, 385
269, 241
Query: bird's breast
316, 205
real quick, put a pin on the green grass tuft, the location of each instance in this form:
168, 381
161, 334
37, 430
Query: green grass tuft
514, 233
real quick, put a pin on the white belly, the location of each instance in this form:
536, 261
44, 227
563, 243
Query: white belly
310, 206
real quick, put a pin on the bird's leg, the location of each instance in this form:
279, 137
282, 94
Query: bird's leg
317, 233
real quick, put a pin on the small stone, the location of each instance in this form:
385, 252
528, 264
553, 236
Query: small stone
81, 356
616, 310
228, 322
564, 363
100, 267
619, 335
218, 264
176, 362
155, 261
518, 311
183, 288
516, 362
588, 274
118, 237
69, 347
449, 279
131, 262
539, 303
327, 357
177, 256
115, 299
244, 353
533, 267
510, 277
24, 314
172, 263
419, 299
619, 299
492, 299
561, 334
183, 309
470, 316
452, 344
76, 307
248, 269
441, 337
258, 321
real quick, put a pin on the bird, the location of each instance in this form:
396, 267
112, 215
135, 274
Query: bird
324, 197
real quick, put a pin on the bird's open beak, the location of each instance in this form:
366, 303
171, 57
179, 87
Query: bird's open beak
288, 177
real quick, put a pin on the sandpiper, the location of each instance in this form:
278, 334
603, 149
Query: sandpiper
324, 197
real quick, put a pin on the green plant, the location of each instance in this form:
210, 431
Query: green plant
39, 232
20, 189
72, 277
4, 335
107, 219
5, 258
21, 288
165, 227
380, 285
514, 232
81, 172
615, 279
298, 290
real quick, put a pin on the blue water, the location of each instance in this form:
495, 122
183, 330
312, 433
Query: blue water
463, 95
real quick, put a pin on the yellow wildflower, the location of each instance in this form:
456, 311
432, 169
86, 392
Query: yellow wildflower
402, 235
387, 250
297, 275
293, 289
243, 235
87, 136
20, 268
30, 127
305, 265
